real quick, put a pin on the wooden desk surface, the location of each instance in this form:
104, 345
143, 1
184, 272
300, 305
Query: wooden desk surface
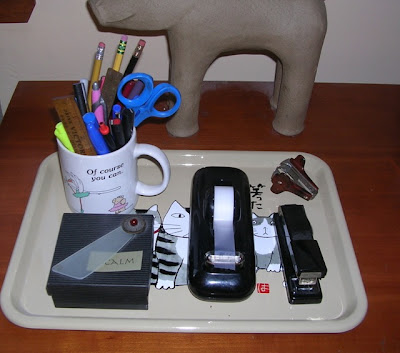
354, 128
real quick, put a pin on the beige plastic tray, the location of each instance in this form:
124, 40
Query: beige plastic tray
25, 302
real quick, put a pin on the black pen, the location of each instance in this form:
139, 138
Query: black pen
80, 98
128, 117
116, 126
117, 132
105, 131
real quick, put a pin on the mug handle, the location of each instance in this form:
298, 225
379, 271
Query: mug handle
144, 149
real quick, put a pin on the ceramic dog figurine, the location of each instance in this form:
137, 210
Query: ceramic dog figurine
200, 31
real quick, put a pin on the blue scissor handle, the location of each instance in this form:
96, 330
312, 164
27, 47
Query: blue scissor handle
147, 109
143, 105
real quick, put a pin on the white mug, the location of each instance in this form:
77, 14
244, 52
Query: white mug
108, 183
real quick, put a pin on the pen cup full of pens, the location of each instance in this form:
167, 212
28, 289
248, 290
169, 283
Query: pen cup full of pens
108, 183
96, 136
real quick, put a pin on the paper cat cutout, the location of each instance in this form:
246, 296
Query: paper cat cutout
265, 244
171, 244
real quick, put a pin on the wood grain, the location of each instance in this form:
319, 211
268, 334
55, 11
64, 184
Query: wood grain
16, 11
354, 128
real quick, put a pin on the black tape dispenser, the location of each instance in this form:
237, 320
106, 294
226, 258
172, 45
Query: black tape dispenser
221, 246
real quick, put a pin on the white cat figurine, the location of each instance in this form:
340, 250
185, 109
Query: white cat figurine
265, 244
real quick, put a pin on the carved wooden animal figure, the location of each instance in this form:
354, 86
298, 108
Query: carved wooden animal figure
201, 30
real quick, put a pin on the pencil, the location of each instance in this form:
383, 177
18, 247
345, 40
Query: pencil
98, 59
120, 53
135, 57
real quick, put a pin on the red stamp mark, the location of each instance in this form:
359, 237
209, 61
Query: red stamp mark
263, 288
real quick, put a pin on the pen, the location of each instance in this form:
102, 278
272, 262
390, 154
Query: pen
128, 117
62, 135
120, 53
97, 106
85, 84
116, 111
102, 80
135, 57
92, 127
116, 126
118, 132
105, 131
98, 59
80, 97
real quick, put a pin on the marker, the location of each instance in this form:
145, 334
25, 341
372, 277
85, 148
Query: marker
61, 134
128, 88
137, 89
97, 106
92, 127
120, 52
135, 57
98, 60
105, 131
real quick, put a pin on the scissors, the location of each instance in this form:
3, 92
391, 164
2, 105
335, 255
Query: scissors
143, 104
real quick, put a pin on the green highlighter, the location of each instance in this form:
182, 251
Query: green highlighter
61, 134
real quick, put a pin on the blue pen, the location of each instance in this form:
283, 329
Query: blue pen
92, 127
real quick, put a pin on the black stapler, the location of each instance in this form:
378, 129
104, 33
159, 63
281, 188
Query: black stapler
303, 263
221, 245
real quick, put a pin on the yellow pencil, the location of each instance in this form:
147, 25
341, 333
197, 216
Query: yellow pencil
98, 60
120, 53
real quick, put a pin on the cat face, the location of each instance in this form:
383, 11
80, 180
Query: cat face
261, 227
176, 221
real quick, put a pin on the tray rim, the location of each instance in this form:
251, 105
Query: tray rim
22, 319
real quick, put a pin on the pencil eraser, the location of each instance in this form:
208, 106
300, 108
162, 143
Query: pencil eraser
102, 45
124, 38
142, 42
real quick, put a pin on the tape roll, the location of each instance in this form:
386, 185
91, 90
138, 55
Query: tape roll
224, 235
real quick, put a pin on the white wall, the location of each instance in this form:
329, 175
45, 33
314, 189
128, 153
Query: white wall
362, 45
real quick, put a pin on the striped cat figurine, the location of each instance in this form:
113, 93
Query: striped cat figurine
171, 242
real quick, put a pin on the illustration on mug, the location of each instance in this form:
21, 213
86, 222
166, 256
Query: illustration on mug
78, 191
119, 204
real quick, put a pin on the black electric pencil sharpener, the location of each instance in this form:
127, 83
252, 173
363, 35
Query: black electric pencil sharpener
221, 245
